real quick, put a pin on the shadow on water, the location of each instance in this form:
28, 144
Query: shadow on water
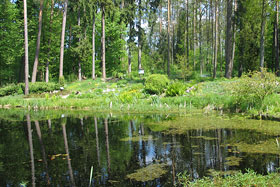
131, 150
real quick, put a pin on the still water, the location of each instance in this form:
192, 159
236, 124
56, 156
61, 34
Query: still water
131, 150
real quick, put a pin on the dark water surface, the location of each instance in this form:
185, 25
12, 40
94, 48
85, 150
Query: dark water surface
62, 151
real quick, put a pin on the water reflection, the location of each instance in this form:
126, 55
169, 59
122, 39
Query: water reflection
117, 146
67, 153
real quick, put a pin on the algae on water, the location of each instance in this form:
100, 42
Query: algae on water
148, 173
138, 138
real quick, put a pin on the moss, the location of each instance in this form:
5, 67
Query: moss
148, 173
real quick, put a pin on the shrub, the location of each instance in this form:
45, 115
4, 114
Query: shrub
252, 89
156, 84
61, 81
10, 89
41, 87
176, 89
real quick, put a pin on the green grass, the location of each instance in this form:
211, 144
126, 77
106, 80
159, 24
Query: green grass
250, 178
130, 96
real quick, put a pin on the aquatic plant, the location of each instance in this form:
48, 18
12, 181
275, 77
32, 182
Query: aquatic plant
148, 173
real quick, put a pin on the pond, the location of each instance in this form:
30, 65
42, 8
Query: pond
66, 149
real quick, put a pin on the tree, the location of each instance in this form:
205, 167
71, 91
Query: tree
49, 43
168, 37
93, 43
62, 39
216, 38
262, 35
276, 38
229, 40
103, 42
26, 90
34, 74
139, 35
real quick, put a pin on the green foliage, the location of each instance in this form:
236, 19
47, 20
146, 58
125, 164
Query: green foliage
41, 87
38, 87
250, 178
10, 89
156, 83
61, 81
252, 89
176, 89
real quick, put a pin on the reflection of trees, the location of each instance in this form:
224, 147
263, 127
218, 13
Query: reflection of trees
107, 144
31, 149
42, 149
97, 140
67, 154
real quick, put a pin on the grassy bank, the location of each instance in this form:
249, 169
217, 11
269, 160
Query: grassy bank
256, 95
239, 179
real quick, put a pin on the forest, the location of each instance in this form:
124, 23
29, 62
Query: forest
139, 93
115, 38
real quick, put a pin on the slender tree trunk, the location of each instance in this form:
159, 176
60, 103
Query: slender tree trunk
122, 5
229, 39
160, 18
26, 90
194, 33
216, 39
187, 34
35, 66
140, 37
129, 47
200, 40
62, 39
262, 36
31, 148
80, 35
168, 36
234, 35
103, 43
93, 46
49, 43
276, 38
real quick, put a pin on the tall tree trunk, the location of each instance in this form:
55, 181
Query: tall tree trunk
140, 37
187, 34
103, 43
200, 40
80, 35
62, 39
35, 66
216, 39
229, 39
160, 18
234, 35
93, 46
31, 147
194, 33
26, 90
262, 36
49, 44
276, 39
168, 36
129, 47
